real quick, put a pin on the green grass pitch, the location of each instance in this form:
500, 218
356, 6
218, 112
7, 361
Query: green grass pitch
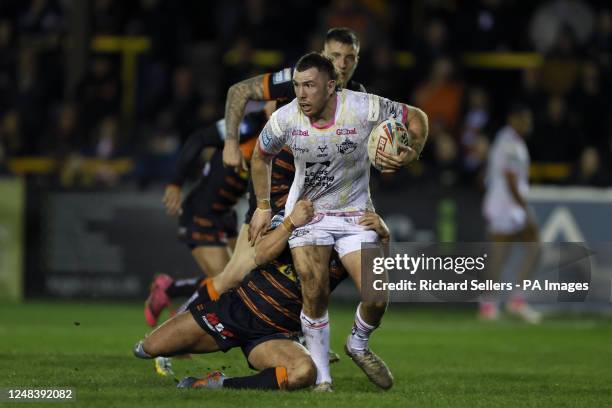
439, 357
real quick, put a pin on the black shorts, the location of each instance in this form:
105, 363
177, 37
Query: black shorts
211, 229
230, 322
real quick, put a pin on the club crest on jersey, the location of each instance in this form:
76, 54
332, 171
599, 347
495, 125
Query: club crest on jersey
299, 132
346, 132
346, 147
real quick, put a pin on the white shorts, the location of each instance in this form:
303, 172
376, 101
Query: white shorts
341, 231
508, 222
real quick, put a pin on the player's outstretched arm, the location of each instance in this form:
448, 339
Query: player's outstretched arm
270, 142
237, 97
261, 170
274, 242
198, 140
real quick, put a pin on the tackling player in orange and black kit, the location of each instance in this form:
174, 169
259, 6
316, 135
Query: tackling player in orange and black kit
208, 217
265, 306
279, 86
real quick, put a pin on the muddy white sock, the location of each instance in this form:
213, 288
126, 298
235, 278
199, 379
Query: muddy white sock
360, 334
316, 334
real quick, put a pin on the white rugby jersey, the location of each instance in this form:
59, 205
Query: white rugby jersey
508, 153
331, 162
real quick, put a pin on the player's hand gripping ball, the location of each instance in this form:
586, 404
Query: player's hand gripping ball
386, 138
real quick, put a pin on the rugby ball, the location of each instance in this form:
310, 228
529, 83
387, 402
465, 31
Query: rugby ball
385, 138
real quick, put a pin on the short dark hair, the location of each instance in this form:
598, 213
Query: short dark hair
318, 61
343, 35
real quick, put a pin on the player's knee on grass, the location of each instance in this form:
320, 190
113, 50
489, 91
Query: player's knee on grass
302, 374
151, 345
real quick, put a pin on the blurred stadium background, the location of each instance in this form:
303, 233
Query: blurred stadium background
97, 96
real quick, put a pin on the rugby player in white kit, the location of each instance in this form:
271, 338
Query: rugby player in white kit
507, 213
327, 130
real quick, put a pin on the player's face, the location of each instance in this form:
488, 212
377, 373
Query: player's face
525, 122
345, 58
313, 89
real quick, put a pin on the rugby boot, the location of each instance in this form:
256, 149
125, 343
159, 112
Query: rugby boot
520, 308
212, 381
323, 387
373, 366
158, 300
163, 366
488, 311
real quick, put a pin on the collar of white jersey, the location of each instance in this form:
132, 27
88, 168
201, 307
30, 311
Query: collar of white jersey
340, 98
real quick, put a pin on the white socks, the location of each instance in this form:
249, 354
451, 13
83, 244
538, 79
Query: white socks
358, 340
316, 334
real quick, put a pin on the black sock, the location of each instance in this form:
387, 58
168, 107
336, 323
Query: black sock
268, 379
183, 287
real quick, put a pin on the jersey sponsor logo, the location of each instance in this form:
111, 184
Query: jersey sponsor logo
325, 163
299, 132
346, 132
266, 138
299, 233
297, 149
212, 321
288, 270
319, 176
322, 149
281, 76
346, 147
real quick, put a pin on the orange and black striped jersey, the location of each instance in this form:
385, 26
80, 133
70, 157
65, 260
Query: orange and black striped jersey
219, 188
283, 171
273, 294
214, 136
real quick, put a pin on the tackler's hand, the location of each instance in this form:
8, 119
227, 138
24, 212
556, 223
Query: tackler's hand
372, 221
172, 199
